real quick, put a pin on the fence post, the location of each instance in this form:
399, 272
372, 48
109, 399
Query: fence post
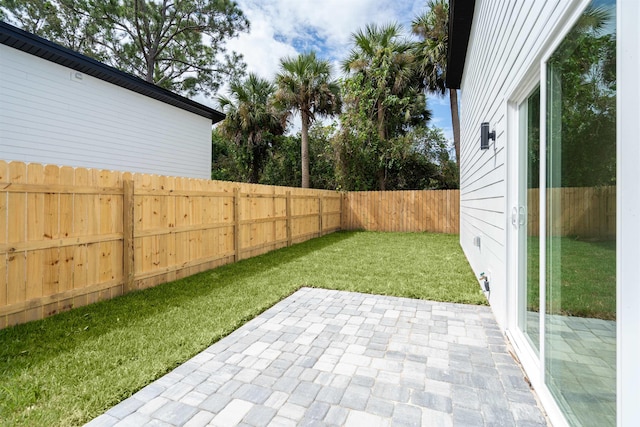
343, 211
236, 223
289, 238
320, 214
128, 236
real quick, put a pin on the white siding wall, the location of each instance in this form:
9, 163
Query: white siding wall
48, 117
506, 40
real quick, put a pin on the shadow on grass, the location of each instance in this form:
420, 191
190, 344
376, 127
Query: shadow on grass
63, 331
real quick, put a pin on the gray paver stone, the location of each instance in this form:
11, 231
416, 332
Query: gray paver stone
136, 419
305, 393
215, 403
317, 410
355, 397
125, 408
407, 415
259, 415
463, 417
104, 420
497, 416
429, 400
201, 419
252, 393
331, 395
175, 413
381, 407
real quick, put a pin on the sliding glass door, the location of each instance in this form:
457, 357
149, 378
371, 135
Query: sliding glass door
580, 340
567, 268
526, 219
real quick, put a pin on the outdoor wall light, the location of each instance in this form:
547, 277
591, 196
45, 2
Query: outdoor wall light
485, 136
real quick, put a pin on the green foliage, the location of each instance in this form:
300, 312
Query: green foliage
432, 28
586, 278
226, 162
55, 20
305, 85
252, 122
283, 167
383, 105
179, 45
430, 52
583, 97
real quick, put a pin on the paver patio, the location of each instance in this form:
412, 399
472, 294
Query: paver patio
322, 357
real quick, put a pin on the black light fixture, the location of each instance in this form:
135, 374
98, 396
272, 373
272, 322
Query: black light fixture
485, 136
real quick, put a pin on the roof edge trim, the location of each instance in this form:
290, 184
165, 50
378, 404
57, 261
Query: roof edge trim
35, 45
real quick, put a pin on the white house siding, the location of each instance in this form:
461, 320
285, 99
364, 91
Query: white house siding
506, 37
48, 116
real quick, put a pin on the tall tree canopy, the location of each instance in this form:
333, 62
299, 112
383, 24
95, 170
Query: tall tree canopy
582, 102
305, 85
177, 44
382, 98
252, 121
431, 56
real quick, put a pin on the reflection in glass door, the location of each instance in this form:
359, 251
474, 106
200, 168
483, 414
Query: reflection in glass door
526, 218
580, 329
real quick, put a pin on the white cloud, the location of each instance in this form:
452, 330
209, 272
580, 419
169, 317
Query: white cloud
286, 27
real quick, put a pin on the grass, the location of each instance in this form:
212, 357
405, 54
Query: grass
69, 368
586, 273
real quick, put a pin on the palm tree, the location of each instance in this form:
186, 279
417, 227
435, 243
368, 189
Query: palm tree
386, 62
431, 56
305, 85
252, 120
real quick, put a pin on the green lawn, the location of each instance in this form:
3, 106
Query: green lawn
585, 272
69, 368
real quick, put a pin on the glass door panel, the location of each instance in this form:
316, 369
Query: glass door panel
528, 214
580, 329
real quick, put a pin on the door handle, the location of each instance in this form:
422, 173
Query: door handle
514, 216
522, 214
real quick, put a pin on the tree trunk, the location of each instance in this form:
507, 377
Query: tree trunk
305, 148
254, 174
151, 64
382, 180
455, 122
382, 135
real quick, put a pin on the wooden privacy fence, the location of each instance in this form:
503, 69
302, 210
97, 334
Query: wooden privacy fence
73, 236
586, 212
435, 211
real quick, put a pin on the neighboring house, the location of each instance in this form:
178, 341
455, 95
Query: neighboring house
550, 207
60, 107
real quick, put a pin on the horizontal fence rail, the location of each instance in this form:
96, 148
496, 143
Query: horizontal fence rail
435, 211
73, 236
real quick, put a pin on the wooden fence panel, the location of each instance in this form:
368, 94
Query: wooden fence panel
407, 211
72, 236
585, 212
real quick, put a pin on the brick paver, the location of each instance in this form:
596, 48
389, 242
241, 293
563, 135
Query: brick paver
324, 357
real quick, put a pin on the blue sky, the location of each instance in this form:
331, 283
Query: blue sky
282, 28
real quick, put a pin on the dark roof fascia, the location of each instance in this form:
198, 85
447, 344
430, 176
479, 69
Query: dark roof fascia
42, 48
460, 20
